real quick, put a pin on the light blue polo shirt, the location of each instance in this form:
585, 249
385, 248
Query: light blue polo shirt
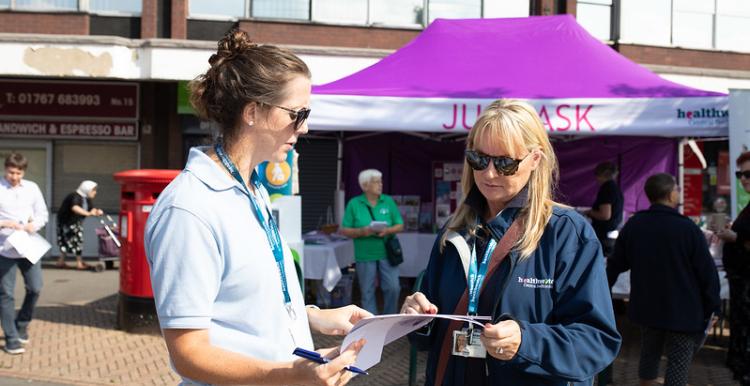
212, 267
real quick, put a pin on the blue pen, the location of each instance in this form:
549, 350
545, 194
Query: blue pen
317, 358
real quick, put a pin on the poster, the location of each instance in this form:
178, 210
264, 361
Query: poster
446, 185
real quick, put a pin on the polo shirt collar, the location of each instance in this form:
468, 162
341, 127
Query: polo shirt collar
363, 198
206, 170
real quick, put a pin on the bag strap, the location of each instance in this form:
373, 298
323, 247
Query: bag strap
370, 210
498, 255
462, 247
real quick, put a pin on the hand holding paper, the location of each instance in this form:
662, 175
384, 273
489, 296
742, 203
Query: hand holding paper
31, 246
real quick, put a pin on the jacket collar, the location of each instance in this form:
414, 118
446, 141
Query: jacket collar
501, 222
206, 170
663, 208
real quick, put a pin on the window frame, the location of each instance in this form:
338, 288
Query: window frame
82, 6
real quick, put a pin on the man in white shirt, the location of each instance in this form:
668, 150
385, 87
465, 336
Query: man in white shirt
22, 209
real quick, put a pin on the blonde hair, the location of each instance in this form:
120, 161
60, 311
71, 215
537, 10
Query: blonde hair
517, 125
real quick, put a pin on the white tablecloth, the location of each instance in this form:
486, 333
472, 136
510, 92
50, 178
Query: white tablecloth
324, 261
416, 248
621, 289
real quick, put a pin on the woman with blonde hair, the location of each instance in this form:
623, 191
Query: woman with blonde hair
510, 252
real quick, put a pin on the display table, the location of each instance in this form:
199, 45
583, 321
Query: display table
324, 261
416, 248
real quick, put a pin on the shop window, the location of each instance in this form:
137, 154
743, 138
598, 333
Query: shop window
47, 5
115, 7
96, 161
4, 4
596, 17
507, 8
397, 13
454, 9
340, 11
210, 9
281, 9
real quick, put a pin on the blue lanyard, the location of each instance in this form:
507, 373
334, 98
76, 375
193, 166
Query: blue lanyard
475, 278
272, 232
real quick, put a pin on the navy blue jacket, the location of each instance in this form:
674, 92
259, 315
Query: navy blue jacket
558, 295
673, 281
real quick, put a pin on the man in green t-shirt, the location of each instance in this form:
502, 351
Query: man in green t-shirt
369, 218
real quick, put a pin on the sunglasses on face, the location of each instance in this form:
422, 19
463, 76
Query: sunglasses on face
298, 116
505, 165
741, 174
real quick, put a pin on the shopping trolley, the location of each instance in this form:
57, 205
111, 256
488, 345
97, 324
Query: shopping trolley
109, 244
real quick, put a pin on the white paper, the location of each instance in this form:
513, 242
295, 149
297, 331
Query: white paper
30, 246
378, 226
381, 330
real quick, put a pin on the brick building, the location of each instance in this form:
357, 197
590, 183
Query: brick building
91, 87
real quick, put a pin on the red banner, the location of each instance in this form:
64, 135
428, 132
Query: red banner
693, 180
75, 129
20, 98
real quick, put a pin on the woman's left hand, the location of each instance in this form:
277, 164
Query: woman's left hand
336, 321
502, 340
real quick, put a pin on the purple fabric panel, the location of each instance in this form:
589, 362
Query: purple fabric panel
538, 57
404, 160
637, 158
406, 164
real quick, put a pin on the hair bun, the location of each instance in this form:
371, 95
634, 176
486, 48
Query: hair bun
234, 42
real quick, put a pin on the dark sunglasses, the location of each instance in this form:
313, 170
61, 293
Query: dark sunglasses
505, 165
740, 174
298, 116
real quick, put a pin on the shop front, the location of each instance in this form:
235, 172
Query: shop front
71, 131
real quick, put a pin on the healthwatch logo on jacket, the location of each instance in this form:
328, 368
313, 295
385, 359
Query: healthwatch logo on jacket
532, 282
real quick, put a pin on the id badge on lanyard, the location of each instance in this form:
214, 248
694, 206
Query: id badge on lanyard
466, 342
269, 226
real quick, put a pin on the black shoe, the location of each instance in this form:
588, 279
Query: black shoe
14, 347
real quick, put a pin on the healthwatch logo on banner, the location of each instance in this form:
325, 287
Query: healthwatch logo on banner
703, 116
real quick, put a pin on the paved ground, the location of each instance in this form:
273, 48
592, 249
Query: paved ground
74, 342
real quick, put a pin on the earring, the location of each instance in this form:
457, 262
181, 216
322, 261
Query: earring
250, 123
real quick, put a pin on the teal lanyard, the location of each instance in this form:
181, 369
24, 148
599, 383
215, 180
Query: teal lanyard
272, 232
476, 276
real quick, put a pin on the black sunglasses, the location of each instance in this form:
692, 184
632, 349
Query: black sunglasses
505, 165
298, 116
741, 174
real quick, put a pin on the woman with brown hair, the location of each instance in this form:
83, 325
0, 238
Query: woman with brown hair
223, 278
511, 253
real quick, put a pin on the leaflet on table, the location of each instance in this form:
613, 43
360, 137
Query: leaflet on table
383, 329
31, 246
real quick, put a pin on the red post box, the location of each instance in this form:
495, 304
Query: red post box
139, 191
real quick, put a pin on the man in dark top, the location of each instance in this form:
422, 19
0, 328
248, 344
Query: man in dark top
674, 287
606, 213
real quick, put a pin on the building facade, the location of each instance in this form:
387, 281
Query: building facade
91, 87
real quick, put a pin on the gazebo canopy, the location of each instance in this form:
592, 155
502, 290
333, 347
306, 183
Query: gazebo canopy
441, 80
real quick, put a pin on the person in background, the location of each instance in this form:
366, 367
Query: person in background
224, 280
74, 209
22, 209
606, 212
736, 259
552, 320
369, 245
674, 286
